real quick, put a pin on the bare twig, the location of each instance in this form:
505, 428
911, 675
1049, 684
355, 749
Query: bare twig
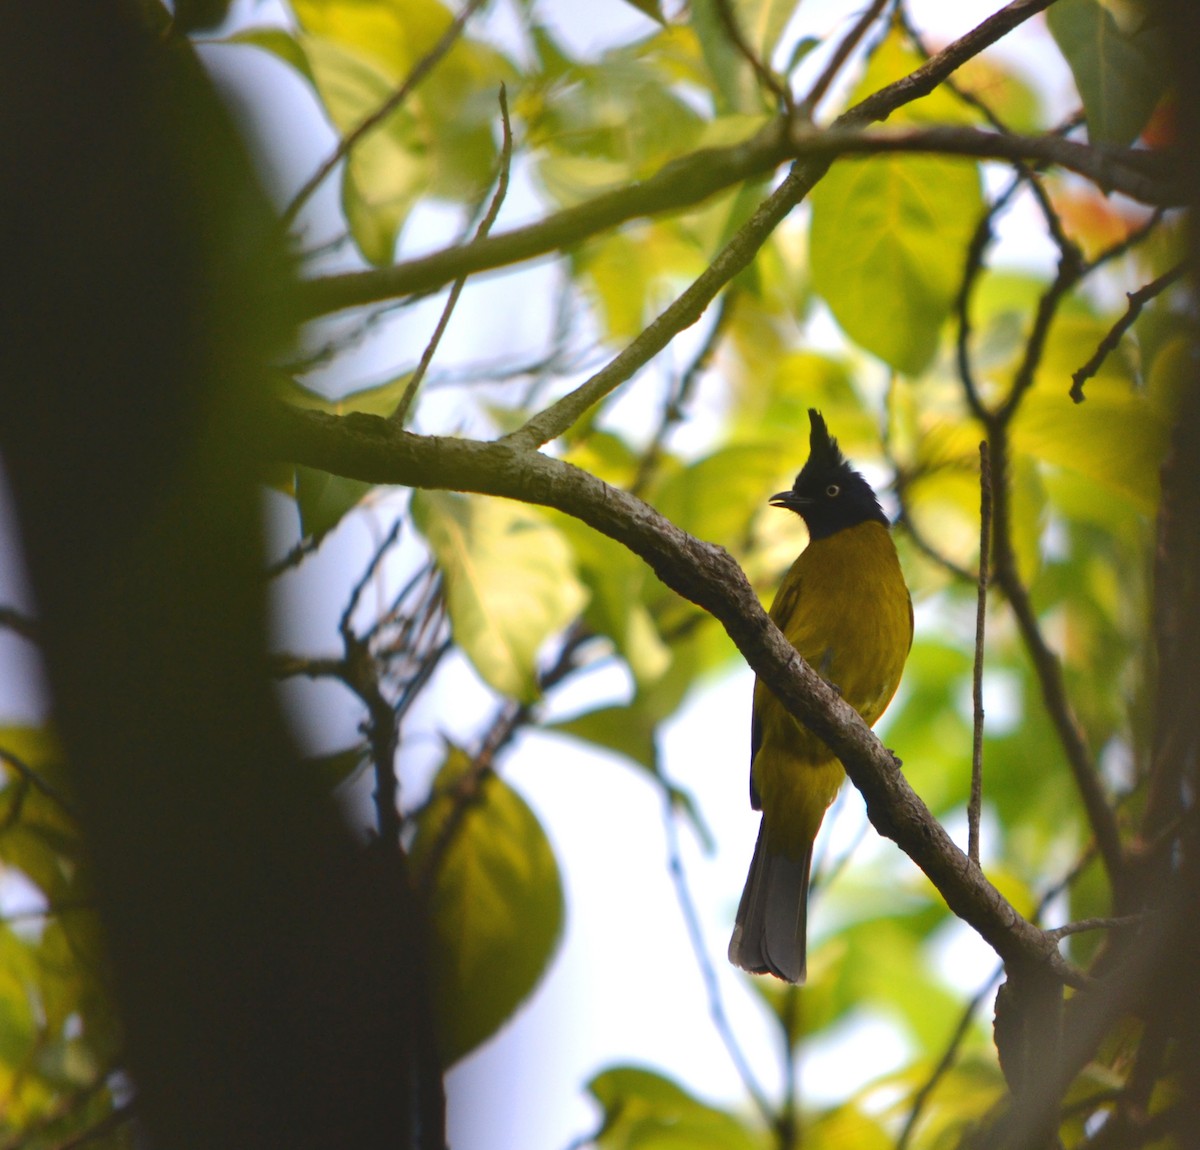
1087, 924
485, 226
386, 544
1137, 300
420, 70
762, 71
708, 975
973, 268
511, 717
947, 1060
787, 1122
34, 778
841, 54
295, 556
985, 543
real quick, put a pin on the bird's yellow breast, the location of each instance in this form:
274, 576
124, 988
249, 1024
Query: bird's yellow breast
845, 607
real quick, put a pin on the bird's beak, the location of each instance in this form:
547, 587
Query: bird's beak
789, 499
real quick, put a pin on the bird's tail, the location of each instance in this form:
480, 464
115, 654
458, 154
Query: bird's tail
769, 933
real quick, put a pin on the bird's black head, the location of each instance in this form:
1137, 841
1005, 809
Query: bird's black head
829, 494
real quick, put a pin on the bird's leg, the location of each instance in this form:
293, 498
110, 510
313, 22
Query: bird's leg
823, 670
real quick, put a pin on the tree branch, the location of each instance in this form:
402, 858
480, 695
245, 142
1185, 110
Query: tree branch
368, 448
1137, 300
693, 178
682, 183
485, 226
985, 541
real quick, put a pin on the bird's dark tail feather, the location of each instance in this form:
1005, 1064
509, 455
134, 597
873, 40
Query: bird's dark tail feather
769, 932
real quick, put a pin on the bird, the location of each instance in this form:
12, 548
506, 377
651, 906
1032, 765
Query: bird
845, 607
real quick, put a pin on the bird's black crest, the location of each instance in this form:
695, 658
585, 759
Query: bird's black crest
828, 493
823, 450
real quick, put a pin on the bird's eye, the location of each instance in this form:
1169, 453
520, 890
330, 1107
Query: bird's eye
833, 490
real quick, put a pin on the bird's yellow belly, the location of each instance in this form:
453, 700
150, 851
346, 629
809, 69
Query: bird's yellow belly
845, 608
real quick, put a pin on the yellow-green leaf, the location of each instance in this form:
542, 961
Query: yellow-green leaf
647, 1111
510, 583
323, 499
496, 903
888, 244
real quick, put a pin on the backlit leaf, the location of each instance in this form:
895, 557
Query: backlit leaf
888, 244
1119, 71
647, 1111
628, 731
323, 499
496, 902
510, 583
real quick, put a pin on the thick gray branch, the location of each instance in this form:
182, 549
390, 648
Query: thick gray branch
368, 448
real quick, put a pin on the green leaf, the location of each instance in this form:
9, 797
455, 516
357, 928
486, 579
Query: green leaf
198, 15
628, 731
335, 768
651, 8
380, 399
496, 903
849, 1125
647, 1111
1117, 439
1119, 72
732, 75
617, 581
388, 171
510, 583
278, 43
717, 497
323, 499
888, 242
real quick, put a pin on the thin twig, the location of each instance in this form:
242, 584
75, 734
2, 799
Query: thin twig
985, 542
959, 1034
1136, 301
972, 270
841, 54
1083, 925
360, 586
947, 1060
35, 779
419, 71
298, 553
485, 226
511, 717
766, 77
708, 975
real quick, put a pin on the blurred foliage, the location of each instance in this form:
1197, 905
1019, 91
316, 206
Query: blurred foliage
883, 252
